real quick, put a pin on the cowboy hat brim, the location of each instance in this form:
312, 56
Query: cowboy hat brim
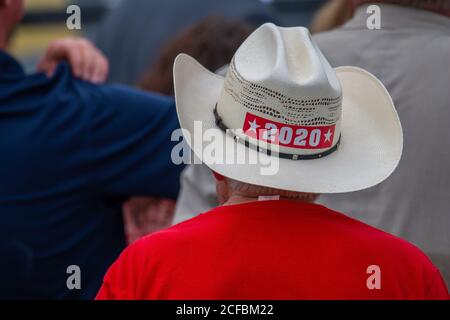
370, 149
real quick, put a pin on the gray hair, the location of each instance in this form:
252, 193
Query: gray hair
251, 190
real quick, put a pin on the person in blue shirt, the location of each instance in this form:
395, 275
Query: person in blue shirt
71, 151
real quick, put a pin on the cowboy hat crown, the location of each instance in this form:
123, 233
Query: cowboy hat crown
279, 75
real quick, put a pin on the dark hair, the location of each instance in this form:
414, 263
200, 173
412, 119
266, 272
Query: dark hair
212, 41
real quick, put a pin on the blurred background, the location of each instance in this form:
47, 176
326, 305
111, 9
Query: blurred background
108, 24
141, 39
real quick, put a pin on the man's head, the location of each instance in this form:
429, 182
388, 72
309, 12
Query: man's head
227, 188
11, 12
273, 106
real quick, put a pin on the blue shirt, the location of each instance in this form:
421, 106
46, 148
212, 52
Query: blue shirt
70, 153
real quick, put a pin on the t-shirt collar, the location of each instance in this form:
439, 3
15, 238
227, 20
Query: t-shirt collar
272, 204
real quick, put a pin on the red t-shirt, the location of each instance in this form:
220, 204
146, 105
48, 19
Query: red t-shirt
272, 250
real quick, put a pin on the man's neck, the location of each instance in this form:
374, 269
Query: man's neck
240, 199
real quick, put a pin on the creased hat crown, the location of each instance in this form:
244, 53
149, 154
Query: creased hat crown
280, 79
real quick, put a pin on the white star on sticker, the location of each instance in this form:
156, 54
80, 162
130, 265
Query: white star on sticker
253, 125
328, 136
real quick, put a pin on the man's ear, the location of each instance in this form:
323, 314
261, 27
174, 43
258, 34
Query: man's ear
218, 176
221, 188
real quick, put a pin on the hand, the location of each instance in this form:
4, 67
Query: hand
86, 61
143, 216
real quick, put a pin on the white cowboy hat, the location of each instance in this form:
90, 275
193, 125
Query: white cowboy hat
336, 129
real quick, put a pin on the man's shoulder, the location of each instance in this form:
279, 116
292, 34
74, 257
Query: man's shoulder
110, 95
379, 243
189, 233
164, 246
63, 85
173, 235
336, 37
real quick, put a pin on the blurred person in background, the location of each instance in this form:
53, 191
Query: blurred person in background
332, 15
213, 41
410, 54
153, 23
72, 151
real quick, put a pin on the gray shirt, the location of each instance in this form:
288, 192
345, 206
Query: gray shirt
411, 56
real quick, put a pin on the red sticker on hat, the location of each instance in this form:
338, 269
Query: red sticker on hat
300, 137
